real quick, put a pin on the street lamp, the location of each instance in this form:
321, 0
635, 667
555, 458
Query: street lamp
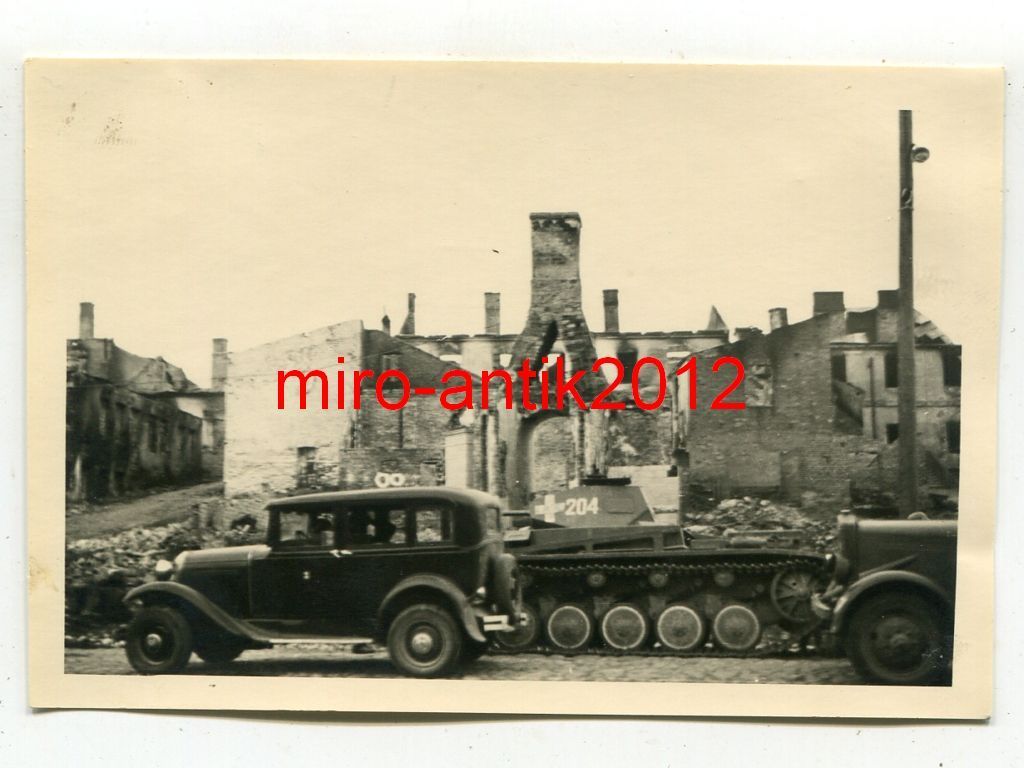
907, 395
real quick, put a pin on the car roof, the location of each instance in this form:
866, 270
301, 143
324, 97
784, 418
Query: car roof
458, 495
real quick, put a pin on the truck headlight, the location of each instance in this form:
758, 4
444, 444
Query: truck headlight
839, 566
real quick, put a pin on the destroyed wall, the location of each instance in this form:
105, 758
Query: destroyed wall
126, 429
818, 403
268, 450
120, 441
786, 446
271, 451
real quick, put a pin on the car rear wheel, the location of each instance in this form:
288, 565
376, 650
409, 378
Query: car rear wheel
424, 641
158, 641
898, 639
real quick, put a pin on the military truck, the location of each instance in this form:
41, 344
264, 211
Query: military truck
891, 598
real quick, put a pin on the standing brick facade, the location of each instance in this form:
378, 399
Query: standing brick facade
817, 408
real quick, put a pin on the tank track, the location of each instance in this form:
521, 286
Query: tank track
526, 567
532, 567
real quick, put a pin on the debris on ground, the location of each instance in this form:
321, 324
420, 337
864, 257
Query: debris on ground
733, 516
99, 572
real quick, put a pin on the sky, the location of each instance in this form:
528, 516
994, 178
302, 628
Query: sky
193, 200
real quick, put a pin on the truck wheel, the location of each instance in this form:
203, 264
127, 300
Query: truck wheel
897, 639
424, 641
158, 641
219, 648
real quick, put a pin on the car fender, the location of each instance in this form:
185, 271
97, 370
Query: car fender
882, 579
439, 584
157, 592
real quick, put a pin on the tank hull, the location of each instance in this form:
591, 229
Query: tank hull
646, 589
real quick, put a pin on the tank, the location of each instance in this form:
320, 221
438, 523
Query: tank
600, 574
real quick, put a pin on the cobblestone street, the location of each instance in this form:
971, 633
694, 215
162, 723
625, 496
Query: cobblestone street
324, 662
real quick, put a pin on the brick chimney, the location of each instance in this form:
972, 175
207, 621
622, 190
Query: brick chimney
219, 370
409, 325
556, 305
828, 301
611, 310
385, 324
778, 317
889, 300
492, 313
86, 320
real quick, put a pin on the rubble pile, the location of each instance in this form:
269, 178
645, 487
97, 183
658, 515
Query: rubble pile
733, 516
99, 572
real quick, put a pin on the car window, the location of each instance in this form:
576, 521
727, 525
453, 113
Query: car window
490, 519
311, 529
377, 527
433, 525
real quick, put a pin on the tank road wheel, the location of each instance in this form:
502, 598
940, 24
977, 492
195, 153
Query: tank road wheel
680, 628
159, 641
524, 636
424, 641
791, 595
624, 627
736, 628
898, 639
569, 627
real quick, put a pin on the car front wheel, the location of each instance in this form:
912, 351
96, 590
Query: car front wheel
158, 641
424, 641
898, 639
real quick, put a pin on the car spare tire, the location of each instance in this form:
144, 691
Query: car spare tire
504, 588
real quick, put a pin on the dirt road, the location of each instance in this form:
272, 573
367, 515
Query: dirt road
295, 661
149, 511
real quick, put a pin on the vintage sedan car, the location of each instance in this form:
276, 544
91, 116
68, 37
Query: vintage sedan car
891, 598
420, 570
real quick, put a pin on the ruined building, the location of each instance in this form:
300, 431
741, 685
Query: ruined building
821, 408
819, 394
135, 422
515, 454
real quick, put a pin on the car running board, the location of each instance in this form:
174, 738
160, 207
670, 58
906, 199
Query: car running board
316, 639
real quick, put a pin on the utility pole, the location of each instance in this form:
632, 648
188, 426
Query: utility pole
907, 389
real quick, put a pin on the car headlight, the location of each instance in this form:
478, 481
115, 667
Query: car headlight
164, 569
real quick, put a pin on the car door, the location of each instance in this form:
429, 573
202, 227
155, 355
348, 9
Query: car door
307, 579
377, 546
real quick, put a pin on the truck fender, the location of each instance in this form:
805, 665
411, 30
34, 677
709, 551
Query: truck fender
170, 592
851, 597
433, 582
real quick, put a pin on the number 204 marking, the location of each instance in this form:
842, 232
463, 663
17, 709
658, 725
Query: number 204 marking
581, 506
719, 403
